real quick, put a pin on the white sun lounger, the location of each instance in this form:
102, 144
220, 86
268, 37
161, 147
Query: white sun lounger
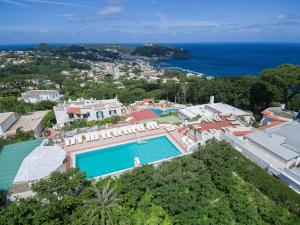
119, 132
92, 137
155, 125
103, 135
133, 129
115, 133
148, 126
96, 136
73, 141
129, 130
108, 134
87, 138
142, 126
67, 142
79, 139
139, 128
125, 131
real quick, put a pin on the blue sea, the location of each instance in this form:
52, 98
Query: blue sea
224, 59
235, 59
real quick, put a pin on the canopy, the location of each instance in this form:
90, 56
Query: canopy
40, 163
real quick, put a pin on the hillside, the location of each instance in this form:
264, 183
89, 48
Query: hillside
161, 52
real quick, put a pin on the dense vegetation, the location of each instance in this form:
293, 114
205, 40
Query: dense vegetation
214, 185
161, 52
19, 137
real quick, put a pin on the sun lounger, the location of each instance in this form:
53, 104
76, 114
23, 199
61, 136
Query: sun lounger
115, 133
119, 132
125, 131
108, 134
142, 126
139, 128
67, 142
96, 136
103, 135
156, 125
129, 130
92, 137
87, 138
73, 142
79, 139
148, 126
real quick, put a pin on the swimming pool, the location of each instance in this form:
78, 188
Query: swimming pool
112, 159
160, 112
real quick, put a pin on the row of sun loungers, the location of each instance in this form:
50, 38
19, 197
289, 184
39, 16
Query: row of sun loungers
109, 133
212, 119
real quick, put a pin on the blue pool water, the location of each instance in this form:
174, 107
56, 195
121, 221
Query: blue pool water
112, 159
160, 112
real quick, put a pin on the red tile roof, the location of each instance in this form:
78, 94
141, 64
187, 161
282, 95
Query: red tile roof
75, 110
144, 115
148, 100
215, 124
241, 132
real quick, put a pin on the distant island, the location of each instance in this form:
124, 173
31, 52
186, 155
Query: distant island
161, 52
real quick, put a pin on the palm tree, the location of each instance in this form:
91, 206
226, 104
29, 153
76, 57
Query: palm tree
105, 201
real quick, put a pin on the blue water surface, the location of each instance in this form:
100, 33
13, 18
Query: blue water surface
233, 59
160, 112
112, 159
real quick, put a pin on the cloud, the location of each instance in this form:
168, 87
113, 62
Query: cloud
60, 3
110, 10
14, 3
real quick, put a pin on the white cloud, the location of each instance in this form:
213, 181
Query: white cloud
14, 3
110, 10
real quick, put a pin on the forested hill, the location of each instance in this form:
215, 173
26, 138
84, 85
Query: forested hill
161, 52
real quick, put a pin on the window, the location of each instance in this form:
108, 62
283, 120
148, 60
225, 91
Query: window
86, 116
99, 115
112, 112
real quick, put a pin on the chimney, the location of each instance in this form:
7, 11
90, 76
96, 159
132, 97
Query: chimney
212, 100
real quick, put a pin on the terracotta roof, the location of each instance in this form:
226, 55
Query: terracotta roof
215, 124
75, 110
241, 132
144, 115
271, 115
148, 100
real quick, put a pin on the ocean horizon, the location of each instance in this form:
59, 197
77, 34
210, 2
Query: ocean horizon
218, 59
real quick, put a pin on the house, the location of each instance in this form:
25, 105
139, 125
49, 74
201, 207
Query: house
6, 121
32, 122
35, 96
208, 110
274, 115
148, 101
86, 109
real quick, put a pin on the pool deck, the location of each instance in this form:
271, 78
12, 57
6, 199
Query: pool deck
173, 136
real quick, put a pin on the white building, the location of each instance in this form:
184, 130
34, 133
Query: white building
35, 96
86, 109
208, 110
6, 121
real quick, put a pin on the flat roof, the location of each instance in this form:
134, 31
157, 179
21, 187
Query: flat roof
11, 158
272, 144
144, 115
4, 116
225, 108
290, 133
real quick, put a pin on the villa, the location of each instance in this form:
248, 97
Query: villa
35, 96
276, 115
208, 110
86, 109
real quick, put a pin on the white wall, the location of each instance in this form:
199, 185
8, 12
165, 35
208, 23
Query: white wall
8, 122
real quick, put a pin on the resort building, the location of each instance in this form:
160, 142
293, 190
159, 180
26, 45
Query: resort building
276, 115
35, 96
208, 110
33, 122
86, 109
6, 121
275, 149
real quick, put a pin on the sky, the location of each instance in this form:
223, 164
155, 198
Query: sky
148, 21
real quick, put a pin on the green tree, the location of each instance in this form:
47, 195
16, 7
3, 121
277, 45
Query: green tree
286, 77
